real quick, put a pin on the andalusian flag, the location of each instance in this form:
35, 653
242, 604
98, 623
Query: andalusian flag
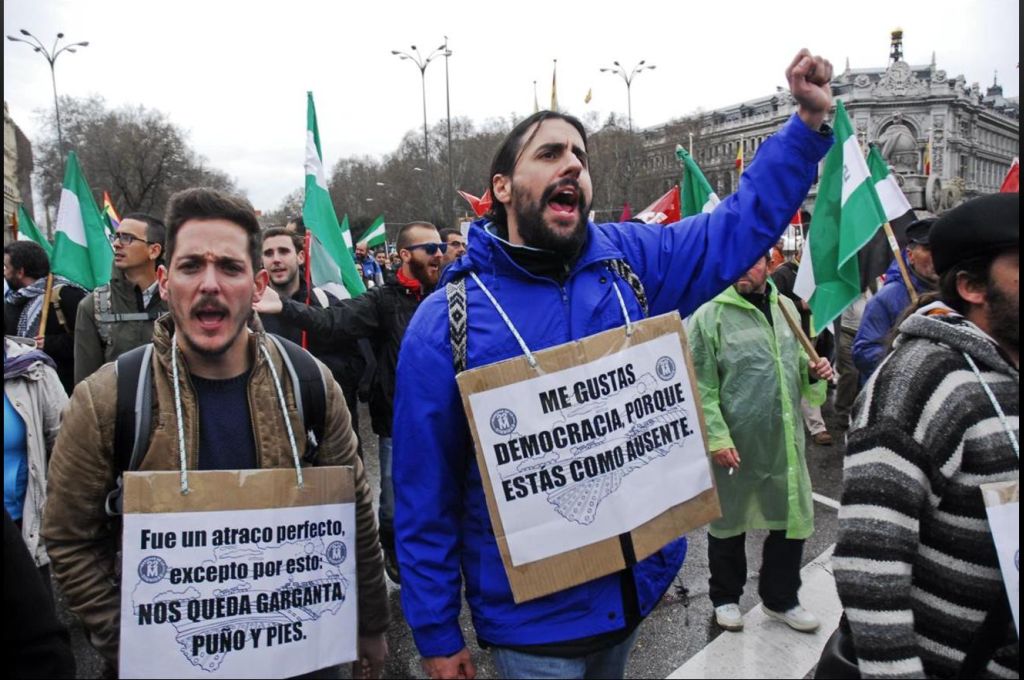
110, 216
323, 270
28, 231
698, 196
847, 213
376, 235
81, 250
894, 203
318, 211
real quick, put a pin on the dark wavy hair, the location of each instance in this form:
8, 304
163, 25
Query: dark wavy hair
510, 150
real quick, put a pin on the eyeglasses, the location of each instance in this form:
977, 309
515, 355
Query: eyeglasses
430, 248
126, 239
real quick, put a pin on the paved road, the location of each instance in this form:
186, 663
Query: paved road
679, 628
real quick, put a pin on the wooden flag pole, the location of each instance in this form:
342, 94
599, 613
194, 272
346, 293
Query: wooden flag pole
794, 326
895, 246
45, 313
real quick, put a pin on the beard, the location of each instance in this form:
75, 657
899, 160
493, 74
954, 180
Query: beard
534, 230
214, 352
422, 272
1004, 317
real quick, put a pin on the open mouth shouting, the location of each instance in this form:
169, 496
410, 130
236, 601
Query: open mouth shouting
565, 201
210, 316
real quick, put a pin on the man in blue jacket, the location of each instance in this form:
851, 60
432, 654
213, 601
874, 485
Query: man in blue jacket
559, 278
884, 309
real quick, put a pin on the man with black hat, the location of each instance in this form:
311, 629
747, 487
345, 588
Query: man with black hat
915, 563
885, 308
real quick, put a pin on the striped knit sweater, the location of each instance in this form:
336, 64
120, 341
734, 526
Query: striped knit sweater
915, 565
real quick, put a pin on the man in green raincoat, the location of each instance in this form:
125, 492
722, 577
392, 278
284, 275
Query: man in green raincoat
751, 373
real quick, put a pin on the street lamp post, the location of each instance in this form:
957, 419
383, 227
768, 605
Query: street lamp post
422, 64
618, 70
451, 170
51, 58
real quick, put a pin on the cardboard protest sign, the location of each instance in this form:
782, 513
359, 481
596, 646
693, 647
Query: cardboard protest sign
602, 444
1002, 505
246, 576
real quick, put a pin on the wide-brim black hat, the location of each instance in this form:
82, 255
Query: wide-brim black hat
983, 226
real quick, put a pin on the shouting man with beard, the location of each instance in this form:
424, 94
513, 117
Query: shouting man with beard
915, 563
381, 315
558, 278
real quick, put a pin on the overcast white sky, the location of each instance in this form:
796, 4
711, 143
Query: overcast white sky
234, 74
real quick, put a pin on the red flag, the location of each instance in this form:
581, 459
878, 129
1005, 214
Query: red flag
480, 205
665, 210
627, 213
1011, 183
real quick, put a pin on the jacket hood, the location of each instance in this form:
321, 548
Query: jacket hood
485, 253
730, 296
937, 323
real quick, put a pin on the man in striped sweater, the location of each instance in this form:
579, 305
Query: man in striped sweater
915, 563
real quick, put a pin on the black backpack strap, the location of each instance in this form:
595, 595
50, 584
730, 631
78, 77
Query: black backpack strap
457, 322
622, 269
133, 417
309, 388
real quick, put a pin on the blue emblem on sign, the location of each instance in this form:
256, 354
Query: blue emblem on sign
152, 569
336, 552
665, 368
503, 421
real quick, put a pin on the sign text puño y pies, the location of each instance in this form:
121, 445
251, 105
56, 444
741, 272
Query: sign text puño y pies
246, 576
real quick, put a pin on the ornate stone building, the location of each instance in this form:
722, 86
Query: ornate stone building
904, 109
17, 171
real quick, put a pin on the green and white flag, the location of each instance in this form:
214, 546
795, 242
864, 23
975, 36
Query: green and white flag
81, 249
847, 213
28, 231
323, 270
376, 235
894, 203
697, 194
318, 211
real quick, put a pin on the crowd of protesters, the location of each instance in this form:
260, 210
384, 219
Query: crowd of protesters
206, 288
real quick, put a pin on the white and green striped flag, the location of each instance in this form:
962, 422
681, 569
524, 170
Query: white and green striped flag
894, 203
376, 235
28, 231
81, 249
697, 194
318, 211
847, 213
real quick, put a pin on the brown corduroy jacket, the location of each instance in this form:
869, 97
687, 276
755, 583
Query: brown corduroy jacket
84, 543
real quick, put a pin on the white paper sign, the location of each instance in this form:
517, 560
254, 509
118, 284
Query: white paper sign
1004, 520
238, 594
594, 451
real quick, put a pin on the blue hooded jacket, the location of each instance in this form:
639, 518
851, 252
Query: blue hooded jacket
880, 315
442, 524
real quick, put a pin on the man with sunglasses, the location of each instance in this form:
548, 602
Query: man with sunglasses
381, 314
118, 316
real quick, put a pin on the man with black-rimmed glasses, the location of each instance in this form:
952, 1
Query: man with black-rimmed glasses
118, 316
381, 314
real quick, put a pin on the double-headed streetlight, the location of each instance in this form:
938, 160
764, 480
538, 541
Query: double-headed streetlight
51, 58
628, 79
421, 63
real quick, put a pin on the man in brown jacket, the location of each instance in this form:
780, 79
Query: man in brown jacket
230, 415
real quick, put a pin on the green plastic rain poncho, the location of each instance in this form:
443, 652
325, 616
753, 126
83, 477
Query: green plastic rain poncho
751, 380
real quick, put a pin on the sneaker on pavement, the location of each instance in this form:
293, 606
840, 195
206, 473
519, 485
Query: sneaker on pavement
729, 617
796, 618
823, 438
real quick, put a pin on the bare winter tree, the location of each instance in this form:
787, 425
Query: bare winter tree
135, 154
